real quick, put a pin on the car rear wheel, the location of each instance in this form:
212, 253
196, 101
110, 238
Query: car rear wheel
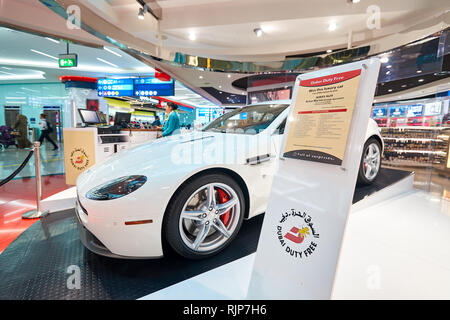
204, 216
370, 162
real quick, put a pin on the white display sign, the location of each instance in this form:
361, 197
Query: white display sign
313, 188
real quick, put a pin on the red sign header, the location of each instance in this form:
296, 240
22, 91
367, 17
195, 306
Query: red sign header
331, 79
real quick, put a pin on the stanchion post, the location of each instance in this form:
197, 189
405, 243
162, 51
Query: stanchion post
37, 213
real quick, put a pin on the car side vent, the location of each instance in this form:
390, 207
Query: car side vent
258, 159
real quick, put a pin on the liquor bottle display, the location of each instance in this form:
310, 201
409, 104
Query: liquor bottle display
416, 146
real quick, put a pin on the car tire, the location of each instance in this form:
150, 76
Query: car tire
370, 164
182, 238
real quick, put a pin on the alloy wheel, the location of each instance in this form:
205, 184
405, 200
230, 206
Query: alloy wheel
209, 217
372, 161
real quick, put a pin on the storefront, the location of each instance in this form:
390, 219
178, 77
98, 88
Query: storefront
31, 100
415, 133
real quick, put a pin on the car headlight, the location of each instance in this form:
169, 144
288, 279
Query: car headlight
116, 188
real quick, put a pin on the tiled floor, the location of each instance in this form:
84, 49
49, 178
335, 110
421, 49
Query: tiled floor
19, 196
398, 249
52, 162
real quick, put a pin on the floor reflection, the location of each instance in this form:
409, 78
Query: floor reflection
52, 162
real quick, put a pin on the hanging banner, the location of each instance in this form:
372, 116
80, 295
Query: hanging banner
322, 114
313, 188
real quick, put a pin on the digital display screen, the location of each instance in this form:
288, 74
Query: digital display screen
433, 109
269, 95
89, 116
379, 113
398, 111
415, 110
153, 87
115, 87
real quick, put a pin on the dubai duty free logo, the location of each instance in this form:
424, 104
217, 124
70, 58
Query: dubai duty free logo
296, 234
79, 159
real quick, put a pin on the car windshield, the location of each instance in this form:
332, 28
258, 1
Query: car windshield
247, 120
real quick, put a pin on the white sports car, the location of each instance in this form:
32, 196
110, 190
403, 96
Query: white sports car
192, 190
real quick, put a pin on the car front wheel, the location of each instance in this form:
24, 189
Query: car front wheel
204, 216
370, 162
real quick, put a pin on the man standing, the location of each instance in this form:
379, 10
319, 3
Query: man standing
156, 123
45, 131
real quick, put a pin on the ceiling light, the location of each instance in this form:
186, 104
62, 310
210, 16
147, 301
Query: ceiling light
258, 32
23, 77
200, 77
107, 62
141, 14
355, 1
110, 51
332, 26
192, 36
229, 76
384, 59
419, 71
388, 72
421, 80
329, 51
52, 40
220, 86
404, 85
388, 66
44, 54
390, 90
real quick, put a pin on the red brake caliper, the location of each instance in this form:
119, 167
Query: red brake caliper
223, 197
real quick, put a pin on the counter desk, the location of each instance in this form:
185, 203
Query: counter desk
138, 136
83, 147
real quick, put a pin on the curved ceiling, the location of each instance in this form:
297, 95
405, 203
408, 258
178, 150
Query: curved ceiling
224, 29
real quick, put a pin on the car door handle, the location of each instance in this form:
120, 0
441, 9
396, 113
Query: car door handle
259, 159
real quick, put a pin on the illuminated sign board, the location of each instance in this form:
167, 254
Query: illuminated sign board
379, 113
415, 110
68, 60
115, 87
433, 109
398, 111
153, 87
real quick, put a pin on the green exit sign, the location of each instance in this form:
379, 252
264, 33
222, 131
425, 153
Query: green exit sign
68, 60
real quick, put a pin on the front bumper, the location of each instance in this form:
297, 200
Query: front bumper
93, 244
125, 242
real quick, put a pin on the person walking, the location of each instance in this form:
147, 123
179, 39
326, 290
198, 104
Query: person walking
21, 126
46, 129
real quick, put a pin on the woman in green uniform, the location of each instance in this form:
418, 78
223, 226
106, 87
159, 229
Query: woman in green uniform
172, 125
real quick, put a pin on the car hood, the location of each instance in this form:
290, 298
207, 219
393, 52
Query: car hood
184, 152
